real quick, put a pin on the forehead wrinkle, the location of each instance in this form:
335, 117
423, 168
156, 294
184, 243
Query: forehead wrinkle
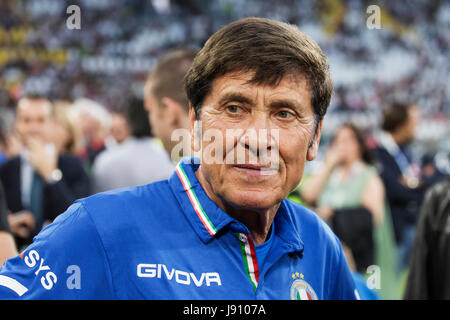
234, 96
270, 96
287, 94
280, 104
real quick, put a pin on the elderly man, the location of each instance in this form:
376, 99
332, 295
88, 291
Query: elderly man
217, 229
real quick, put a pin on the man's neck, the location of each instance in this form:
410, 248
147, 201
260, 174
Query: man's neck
258, 221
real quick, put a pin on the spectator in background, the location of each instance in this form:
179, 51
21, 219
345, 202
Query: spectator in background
9, 144
430, 174
165, 97
64, 132
95, 122
120, 130
3, 144
7, 245
399, 173
40, 183
349, 194
365, 293
136, 161
429, 276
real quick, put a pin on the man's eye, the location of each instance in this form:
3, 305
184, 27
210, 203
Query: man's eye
233, 109
284, 114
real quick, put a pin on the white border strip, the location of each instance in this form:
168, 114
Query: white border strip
13, 284
251, 267
195, 202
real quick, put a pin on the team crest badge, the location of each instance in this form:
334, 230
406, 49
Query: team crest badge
302, 290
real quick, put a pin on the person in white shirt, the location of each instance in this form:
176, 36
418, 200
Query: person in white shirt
138, 160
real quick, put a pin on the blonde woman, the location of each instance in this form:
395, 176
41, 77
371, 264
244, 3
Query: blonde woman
65, 133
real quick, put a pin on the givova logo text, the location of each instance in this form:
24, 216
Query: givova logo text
160, 271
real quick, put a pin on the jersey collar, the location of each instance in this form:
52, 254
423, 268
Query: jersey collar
205, 216
208, 219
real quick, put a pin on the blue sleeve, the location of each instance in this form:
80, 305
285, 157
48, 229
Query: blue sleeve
65, 261
343, 285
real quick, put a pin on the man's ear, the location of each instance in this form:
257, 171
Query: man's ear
314, 147
192, 116
194, 129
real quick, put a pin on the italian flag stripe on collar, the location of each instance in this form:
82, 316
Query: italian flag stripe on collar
249, 256
194, 200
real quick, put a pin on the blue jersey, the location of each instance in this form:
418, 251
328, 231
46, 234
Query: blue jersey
169, 240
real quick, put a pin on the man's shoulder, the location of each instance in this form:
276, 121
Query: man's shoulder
311, 227
116, 205
304, 216
154, 191
109, 215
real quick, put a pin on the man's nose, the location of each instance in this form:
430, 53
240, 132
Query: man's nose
257, 137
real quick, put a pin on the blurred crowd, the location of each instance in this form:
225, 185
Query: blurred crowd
407, 57
78, 111
53, 152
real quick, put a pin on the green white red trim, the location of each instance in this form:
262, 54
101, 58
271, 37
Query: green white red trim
303, 294
249, 256
194, 200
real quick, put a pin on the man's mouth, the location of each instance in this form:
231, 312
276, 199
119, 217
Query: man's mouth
255, 169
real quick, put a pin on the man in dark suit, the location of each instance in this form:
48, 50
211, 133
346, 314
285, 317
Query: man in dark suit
400, 174
39, 184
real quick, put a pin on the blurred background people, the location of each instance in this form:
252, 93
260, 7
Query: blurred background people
95, 121
400, 173
430, 173
137, 160
39, 183
3, 143
166, 100
349, 194
9, 143
120, 129
64, 131
429, 268
7, 244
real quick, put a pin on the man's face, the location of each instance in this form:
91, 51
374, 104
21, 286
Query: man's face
285, 111
157, 117
347, 144
33, 119
412, 123
119, 128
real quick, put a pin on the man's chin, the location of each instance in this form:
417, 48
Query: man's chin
252, 199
